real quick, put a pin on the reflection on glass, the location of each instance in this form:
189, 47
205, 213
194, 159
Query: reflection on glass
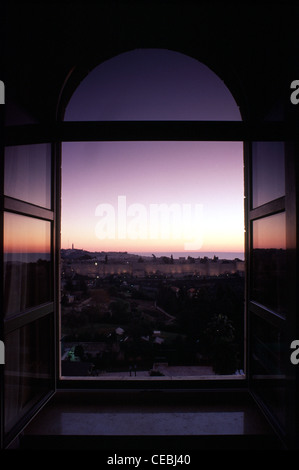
267, 172
28, 174
27, 262
27, 368
267, 365
269, 262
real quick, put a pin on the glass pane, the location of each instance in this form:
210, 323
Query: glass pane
269, 262
27, 262
152, 84
268, 181
28, 368
267, 365
28, 174
138, 290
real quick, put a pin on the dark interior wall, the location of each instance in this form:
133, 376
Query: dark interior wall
253, 48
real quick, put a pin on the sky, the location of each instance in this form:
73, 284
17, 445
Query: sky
118, 196
24, 234
273, 225
152, 84
109, 184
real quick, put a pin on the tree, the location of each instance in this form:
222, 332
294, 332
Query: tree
120, 310
69, 286
83, 287
221, 334
79, 351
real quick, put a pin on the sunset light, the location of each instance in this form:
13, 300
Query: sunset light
202, 180
26, 235
113, 187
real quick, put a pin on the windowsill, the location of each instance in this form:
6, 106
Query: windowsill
180, 378
124, 419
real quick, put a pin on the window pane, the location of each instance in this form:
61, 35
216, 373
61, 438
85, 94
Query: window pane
152, 84
27, 368
267, 172
27, 262
139, 286
269, 262
28, 174
267, 365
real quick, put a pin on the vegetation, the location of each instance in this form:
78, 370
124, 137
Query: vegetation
118, 321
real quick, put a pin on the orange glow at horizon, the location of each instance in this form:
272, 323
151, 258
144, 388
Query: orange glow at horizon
25, 234
230, 239
270, 232
143, 246
114, 186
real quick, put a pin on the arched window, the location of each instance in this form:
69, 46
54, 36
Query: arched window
152, 230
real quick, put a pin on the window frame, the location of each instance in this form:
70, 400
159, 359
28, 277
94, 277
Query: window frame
120, 131
155, 131
285, 323
181, 131
47, 309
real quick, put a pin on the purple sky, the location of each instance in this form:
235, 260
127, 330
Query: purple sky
148, 85
152, 84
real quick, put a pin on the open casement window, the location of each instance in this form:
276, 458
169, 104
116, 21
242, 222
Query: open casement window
29, 260
271, 283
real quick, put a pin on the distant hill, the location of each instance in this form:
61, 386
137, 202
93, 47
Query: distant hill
80, 254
